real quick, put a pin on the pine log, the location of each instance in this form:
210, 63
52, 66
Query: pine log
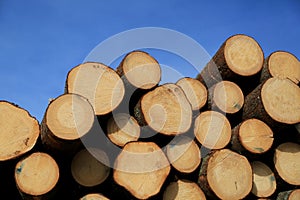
37, 176
225, 96
276, 102
239, 56
100, 84
90, 167
165, 109
182, 190
141, 168
183, 154
94, 196
264, 182
281, 64
212, 130
195, 92
67, 118
252, 135
18, 133
122, 128
140, 69
289, 195
287, 162
225, 174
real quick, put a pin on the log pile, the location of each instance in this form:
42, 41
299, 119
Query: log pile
232, 132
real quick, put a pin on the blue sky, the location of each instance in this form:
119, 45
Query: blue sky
40, 41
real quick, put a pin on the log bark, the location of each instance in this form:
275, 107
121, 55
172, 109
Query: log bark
141, 168
287, 162
100, 84
165, 109
183, 189
238, 57
122, 128
195, 92
90, 167
289, 195
140, 70
276, 102
183, 154
252, 135
94, 196
37, 176
281, 64
19, 131
67, 118
264, 182
225, 174
212, 130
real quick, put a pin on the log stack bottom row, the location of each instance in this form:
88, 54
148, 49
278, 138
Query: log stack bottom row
232, 132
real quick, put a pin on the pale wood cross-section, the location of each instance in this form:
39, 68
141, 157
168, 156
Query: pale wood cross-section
122, 128
140, 69
68, 118
264, 182
212, 129
37, 175
100, 84
281, 64
90, 167
141, 168
195, 92
287, 162
18, 133
165, 109
183, 190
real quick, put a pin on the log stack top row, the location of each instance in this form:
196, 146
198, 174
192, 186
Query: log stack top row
229, 133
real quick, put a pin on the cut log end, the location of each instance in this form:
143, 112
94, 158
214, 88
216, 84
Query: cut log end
167, 110
183, 154
195, 92
19, 131
69, 117
183, 189
122, 128
295, 195
287, 162
228, 97
212, 130
140, 69
243, 55
37, 174
281, 100
141, 168
284, 65
90, 167
94, 197
255, 136
234, 173
264, 182
100, 84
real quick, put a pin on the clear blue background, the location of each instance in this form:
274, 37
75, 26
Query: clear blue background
41, 40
